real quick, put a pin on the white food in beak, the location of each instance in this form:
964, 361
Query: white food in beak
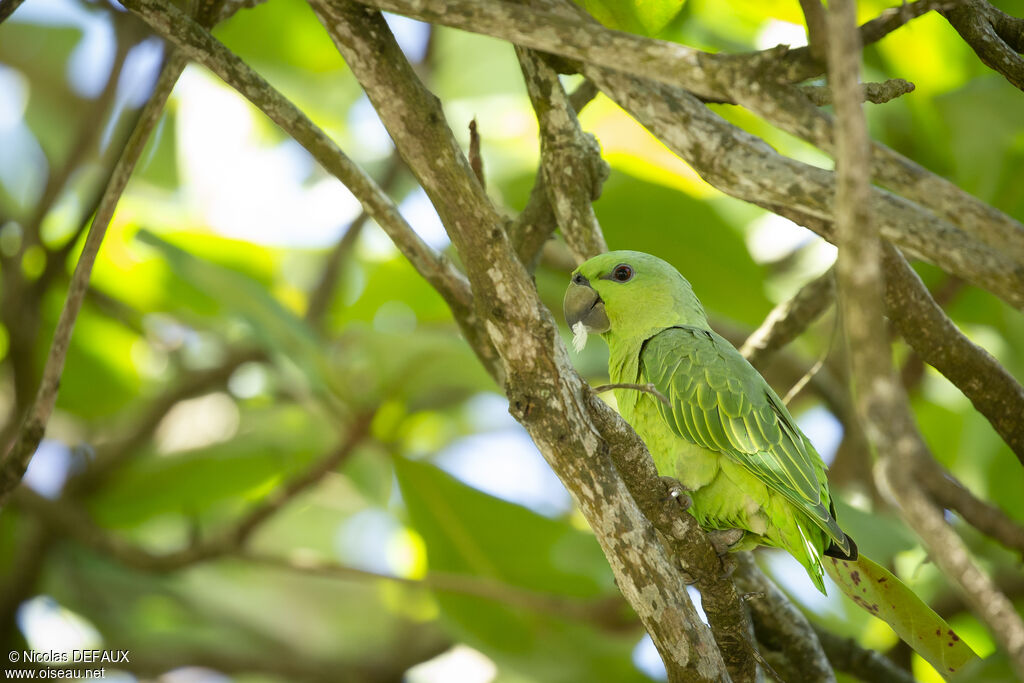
579, 336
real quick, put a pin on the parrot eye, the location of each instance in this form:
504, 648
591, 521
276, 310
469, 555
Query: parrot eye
579, 279
622, 273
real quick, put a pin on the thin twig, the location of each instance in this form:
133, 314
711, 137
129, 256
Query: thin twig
67, 518
476, 161
321, 296
790, 318
646, 388
876, 93
197, 43
14, 464
610, 613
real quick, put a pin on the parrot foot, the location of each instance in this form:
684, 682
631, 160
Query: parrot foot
722, 540
677, 492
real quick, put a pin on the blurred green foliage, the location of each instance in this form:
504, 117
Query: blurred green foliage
175, 293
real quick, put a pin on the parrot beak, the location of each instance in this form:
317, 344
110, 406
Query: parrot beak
583, 305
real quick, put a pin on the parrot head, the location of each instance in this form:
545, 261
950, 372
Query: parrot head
628, 294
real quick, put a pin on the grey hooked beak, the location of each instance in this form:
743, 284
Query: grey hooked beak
583, 305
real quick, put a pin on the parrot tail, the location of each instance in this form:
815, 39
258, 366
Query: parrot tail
836, 551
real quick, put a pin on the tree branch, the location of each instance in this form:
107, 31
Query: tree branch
7, 8
881, 401
16, 460
197, 43
846, 655
609, 613
571, 162
876, 93
779, 624
566, 33
790, 318
533, 227
817, 36
949, 493
729, 78
743, 166
993, 391
979, 24
323, 293
545, 394
69, 519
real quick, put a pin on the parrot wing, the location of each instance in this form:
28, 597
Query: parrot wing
719, 401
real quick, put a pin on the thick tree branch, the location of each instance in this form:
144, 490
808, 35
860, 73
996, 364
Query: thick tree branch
687, 541
937, 339
545, 394
566, 33
799, 64
846, 655
983, 27
744, 166
532, 228
571, 162
880, 399
949, 493
995, 393
779, 624
15, 462
744, 79
729, 78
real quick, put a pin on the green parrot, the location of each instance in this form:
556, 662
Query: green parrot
753, 477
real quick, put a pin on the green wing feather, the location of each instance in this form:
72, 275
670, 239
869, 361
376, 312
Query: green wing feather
719, 401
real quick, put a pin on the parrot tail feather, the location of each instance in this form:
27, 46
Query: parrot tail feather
838, 552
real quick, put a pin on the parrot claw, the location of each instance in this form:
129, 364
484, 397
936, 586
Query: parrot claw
677, 492
722, 540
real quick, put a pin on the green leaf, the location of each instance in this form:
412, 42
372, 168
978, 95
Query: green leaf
647, 17
271, 446
688, 233
879, 592
471, 533
276, 327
